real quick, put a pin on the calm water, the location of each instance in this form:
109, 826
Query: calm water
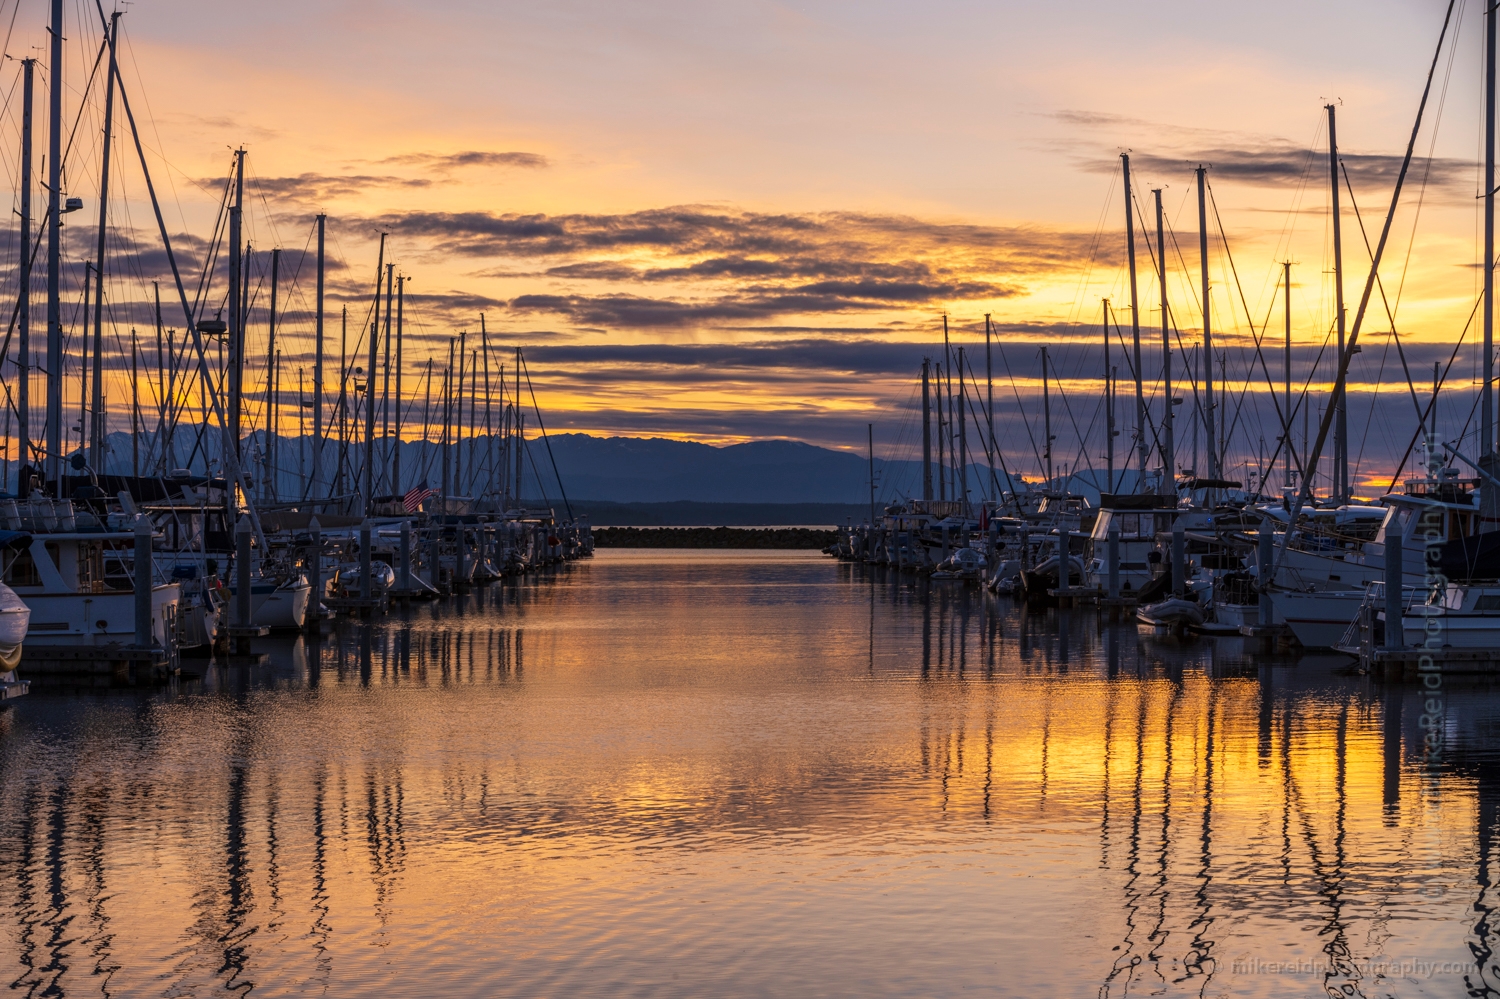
722, 774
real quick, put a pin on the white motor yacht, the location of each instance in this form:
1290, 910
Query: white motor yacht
1319, 603
1461, 616
1139, 519
62, 580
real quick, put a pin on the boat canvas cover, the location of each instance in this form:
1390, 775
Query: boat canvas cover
1469, 558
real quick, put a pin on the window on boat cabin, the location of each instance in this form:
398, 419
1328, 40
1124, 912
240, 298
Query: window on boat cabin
189, 534
20, 570
117, 574
1398, 519
1465, 524
1130, 523
1488, 602
1431, 520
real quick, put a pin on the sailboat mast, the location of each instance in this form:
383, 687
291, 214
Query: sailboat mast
1437, 381
989, 406
166, 384
520, 431
458, 417
1168, 450
385, 389
1286, 410
135, 406
942, 455
447, 425
396, 443
1489, 456
426, 414
1046, 421
1194, 370
162, 400
963, 438
949, 465
273, 454
23, 328
272, 388
343, 402
1142, 444
301, 432
952, 432
96, 428
489, 431
475, 468
1109, 409
1208, 339
317, 393
504, 456
236, 335
54, 251
83, 367
1341, 420
926, 432
369, 469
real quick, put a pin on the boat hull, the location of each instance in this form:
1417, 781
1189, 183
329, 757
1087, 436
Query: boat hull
278, 607
98, 619
1455, 631
1318, 620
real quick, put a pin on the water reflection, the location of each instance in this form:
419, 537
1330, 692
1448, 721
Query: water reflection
689, 774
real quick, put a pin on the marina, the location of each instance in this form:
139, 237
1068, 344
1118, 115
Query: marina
489, 508
228, 525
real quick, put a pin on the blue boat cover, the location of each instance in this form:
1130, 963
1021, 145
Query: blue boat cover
14, 539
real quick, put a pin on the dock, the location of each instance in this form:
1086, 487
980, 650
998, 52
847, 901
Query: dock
11, 687
358, 606
1409, 665
94, 665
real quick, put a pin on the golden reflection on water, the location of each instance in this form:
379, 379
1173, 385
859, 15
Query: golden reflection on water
749, 773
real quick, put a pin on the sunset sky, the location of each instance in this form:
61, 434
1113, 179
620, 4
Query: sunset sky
731, 221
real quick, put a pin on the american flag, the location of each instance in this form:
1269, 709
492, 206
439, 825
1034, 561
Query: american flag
412, 501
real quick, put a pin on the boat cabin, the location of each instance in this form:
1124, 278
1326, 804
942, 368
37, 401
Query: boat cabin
1063, 510
1139, 520
74, 600
1432, 510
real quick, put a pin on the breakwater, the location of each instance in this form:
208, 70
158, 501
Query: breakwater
713, 537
